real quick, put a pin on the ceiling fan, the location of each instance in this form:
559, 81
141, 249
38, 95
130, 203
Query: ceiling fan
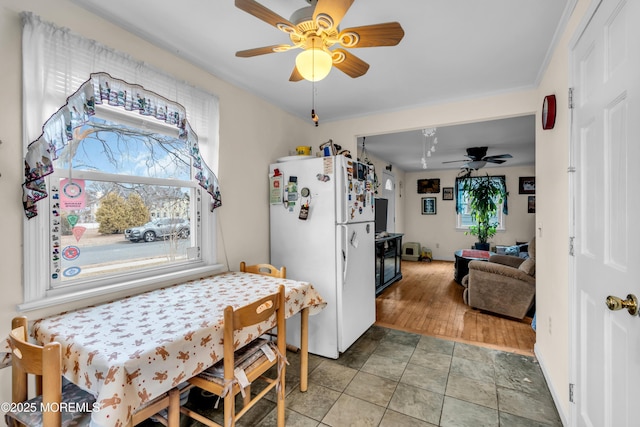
314, 29
479, 158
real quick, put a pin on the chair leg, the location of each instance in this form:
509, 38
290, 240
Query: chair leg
230, 410
280, 392
247, 396
173, 412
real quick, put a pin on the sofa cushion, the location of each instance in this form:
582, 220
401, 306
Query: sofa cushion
528, 266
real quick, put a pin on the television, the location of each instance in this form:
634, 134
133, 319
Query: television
381, 214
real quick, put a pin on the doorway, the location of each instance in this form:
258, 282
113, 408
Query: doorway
388, 192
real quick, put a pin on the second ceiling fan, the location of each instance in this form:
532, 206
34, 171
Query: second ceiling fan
478, 158
315, 30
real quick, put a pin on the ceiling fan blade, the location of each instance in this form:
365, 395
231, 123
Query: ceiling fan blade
350, 64
455, 161
500, 156
262, 50
387, 34
267, 15
492, 160
295, 75
336, 9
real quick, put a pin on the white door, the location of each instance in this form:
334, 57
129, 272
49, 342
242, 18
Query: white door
388, 192
606, 151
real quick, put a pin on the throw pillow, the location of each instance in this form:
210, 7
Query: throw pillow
512, 250
528, 266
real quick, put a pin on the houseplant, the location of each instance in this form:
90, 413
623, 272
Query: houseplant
485, 195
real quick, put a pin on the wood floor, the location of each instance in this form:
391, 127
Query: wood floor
428, 301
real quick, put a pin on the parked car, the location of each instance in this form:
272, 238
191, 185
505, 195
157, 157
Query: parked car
158, 229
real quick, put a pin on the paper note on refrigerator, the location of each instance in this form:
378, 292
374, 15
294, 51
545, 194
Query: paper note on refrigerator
275, 187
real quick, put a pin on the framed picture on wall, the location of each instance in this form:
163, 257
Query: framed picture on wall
447, 193
428, 185
527, 185
428, 206
531, 204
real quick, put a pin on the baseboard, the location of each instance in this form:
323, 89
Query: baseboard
554, 393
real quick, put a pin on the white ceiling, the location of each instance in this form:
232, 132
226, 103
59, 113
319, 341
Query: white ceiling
515, 136
452, 50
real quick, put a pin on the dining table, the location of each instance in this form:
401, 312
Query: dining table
128, 351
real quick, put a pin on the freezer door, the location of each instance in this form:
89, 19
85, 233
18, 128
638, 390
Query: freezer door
356, 281
315, 175
355, 191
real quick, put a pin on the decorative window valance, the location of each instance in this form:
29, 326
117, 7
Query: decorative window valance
58, 132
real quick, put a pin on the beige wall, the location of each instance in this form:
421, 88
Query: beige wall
553, 202
438, 232
253, 134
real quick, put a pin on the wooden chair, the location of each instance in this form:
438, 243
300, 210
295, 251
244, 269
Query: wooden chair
220, 378
45, 363
265, 269
165, 407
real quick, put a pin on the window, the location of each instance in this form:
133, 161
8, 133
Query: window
126, 205
464, 218
115, 187
141, 175
388, 185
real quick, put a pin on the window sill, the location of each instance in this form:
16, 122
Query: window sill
465, 229
167, 280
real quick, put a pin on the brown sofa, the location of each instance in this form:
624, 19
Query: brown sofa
505, 284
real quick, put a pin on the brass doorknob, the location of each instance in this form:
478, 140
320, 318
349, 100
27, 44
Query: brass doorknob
631, 304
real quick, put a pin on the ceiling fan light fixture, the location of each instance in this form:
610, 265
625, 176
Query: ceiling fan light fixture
475, 165
314, 64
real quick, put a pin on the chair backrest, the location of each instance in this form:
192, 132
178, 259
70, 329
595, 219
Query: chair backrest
264, 269
252, 314
42, 361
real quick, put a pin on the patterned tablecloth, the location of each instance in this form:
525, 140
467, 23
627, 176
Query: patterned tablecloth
129, 351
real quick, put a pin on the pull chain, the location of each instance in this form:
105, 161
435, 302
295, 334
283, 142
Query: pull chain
314, 116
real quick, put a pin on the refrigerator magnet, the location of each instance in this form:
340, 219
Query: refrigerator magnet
304, 212
304, 207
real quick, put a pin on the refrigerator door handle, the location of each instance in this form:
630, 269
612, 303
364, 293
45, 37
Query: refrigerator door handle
345, 252
345, 196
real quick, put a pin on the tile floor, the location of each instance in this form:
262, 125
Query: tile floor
390, 378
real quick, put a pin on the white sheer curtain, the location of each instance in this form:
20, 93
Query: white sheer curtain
56, 62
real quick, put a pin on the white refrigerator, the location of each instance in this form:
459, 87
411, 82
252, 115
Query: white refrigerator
322, 230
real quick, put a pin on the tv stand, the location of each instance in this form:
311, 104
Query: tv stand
388, 261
